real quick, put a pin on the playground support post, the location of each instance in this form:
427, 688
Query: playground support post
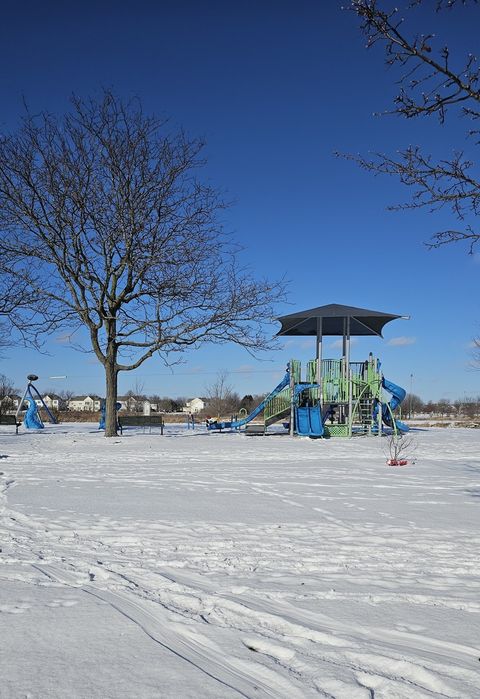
292, 399
410, 398
349, 377
380, 412
319, 358
20, 405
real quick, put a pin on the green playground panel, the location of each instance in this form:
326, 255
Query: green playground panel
335, 380
336, 431
366, 386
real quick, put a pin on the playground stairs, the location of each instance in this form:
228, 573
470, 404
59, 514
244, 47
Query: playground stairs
278, 408
364, 412
282, 415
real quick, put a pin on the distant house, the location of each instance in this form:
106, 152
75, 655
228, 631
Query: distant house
195, 405
88, 403
9, 403
129, 403
53, 402
137, 404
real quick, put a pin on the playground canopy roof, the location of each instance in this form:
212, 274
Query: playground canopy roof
334, 320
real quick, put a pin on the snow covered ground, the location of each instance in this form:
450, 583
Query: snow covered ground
216, 566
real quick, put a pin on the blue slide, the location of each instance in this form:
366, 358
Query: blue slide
398, 394
308, 421
302, 421
32, 419
235, 424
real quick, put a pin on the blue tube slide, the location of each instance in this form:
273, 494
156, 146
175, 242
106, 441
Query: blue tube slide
398, 394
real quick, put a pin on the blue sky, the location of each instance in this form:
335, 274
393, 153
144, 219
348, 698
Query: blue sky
275, 88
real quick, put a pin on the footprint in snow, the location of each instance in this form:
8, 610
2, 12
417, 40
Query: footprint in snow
67, 602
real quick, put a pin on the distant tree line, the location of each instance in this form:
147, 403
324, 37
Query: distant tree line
413, 405
221, 400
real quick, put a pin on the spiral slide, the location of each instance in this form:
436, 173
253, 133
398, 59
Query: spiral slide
398, 394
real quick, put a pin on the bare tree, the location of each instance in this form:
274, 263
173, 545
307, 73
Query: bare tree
221, 398
7, 390
103, 217
139, 388
136, 396
65, 396
411, 405
476, 352
163, 404
131, 402
177, 404
433, 82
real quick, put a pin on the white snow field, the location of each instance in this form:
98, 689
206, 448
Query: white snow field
213, 566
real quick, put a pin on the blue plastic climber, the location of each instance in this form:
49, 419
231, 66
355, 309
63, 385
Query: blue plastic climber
32, 419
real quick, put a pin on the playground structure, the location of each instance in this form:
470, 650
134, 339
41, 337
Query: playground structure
32, 419
336, 397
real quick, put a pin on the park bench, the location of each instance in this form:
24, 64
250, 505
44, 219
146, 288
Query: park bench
10, 420
145, 421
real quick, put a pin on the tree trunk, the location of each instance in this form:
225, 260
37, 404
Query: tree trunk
111, 376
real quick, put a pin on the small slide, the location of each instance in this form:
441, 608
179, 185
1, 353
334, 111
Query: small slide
398, 394
235, 424
32, 419
308, 421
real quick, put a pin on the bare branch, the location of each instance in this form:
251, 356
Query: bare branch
432, 81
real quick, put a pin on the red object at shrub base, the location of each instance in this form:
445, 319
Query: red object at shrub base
397, 462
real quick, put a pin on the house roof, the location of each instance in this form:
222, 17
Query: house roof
92, 396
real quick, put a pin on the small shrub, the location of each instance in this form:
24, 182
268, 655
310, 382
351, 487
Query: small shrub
400, 447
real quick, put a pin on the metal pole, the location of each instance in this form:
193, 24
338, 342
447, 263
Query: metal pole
319, 358
20, 405
380, 404
292, 388
411, 394
349, 380
343, 368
